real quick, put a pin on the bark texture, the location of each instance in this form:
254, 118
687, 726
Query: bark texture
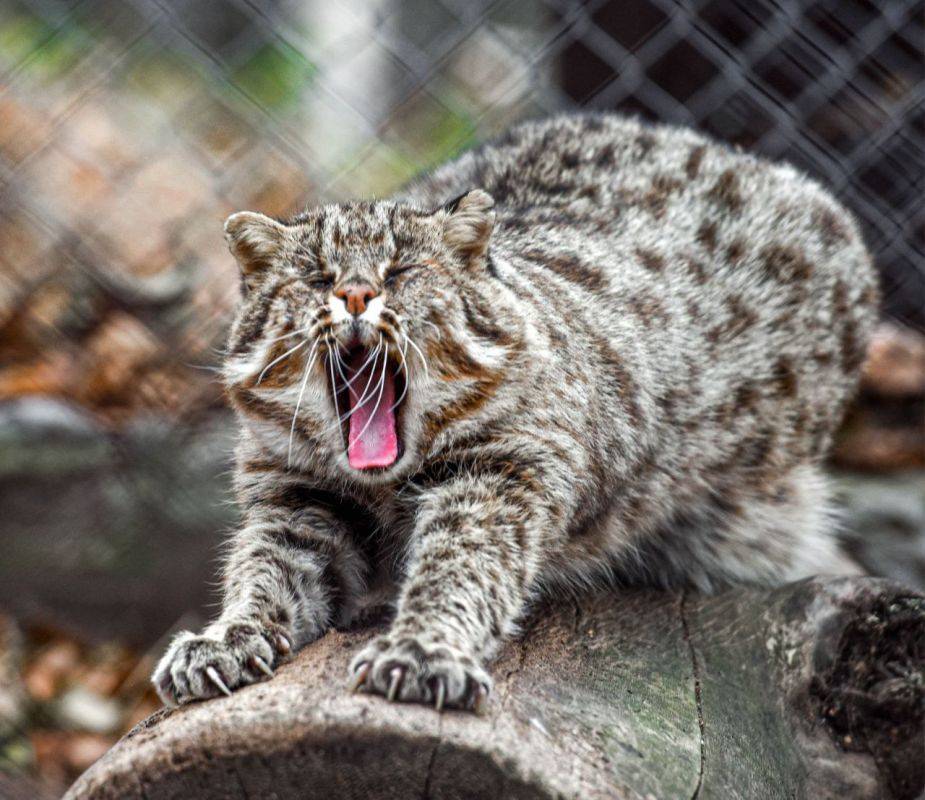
813, 690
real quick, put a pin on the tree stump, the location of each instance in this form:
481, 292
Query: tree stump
811, 690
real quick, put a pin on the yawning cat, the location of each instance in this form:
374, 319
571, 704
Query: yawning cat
588, 350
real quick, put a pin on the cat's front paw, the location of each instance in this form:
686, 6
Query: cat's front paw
410, 669
199, 667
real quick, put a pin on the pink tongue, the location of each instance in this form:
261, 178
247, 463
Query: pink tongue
372, 438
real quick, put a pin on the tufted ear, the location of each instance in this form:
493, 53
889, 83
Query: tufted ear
255, 241
469, 223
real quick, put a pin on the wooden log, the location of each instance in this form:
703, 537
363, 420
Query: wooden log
812, 690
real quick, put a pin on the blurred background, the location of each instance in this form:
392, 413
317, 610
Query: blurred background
130, 129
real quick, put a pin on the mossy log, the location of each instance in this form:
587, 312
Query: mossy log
813, 690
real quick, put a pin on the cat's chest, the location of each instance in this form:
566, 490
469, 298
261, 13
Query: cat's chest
393, 510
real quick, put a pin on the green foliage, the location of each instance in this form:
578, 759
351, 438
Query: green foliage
433, 125
31, 44
275, 76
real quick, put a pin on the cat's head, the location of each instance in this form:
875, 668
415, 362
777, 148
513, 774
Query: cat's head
364, 330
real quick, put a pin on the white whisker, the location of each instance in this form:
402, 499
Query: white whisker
277, 360
308, 368
417, 349
359, 371
363, 398
404, 391
385, 364
333, 382
439, 332
339, 362
402, 365
289, 335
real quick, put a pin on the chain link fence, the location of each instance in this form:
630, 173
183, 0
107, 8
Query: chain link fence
129, 130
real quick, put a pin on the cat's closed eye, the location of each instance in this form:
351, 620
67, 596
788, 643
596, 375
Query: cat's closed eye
396, 271
320, 282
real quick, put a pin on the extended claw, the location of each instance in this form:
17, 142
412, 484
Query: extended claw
441, 695
263, 666
480, 701
359, 677
397, 674
285, 646
216, 679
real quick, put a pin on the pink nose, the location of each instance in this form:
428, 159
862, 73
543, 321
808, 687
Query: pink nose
356, 296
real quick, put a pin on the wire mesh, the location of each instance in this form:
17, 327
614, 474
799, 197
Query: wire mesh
128, 130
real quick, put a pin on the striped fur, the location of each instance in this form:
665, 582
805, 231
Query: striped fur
625, 352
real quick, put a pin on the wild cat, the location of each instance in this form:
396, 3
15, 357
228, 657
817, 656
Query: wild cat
588, 349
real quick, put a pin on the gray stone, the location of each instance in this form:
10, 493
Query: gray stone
114, 534
883, 522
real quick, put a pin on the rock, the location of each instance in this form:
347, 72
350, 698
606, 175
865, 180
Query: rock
130, 542
883, 522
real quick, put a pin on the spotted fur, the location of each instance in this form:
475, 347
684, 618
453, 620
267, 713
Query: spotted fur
631, 346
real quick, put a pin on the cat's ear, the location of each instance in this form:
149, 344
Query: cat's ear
469, 222
256, 242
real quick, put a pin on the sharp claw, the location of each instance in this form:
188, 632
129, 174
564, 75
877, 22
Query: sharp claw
263, 666
441, 695
397, 674
359, 677
480, 703
216, 679
285, 646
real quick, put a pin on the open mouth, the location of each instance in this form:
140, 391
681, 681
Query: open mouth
369, 390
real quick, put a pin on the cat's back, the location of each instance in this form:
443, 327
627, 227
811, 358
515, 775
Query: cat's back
726, 275
698, 222
709, 250
554, 161
627, 196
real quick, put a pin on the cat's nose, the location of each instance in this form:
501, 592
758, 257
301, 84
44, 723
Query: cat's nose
356, 296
